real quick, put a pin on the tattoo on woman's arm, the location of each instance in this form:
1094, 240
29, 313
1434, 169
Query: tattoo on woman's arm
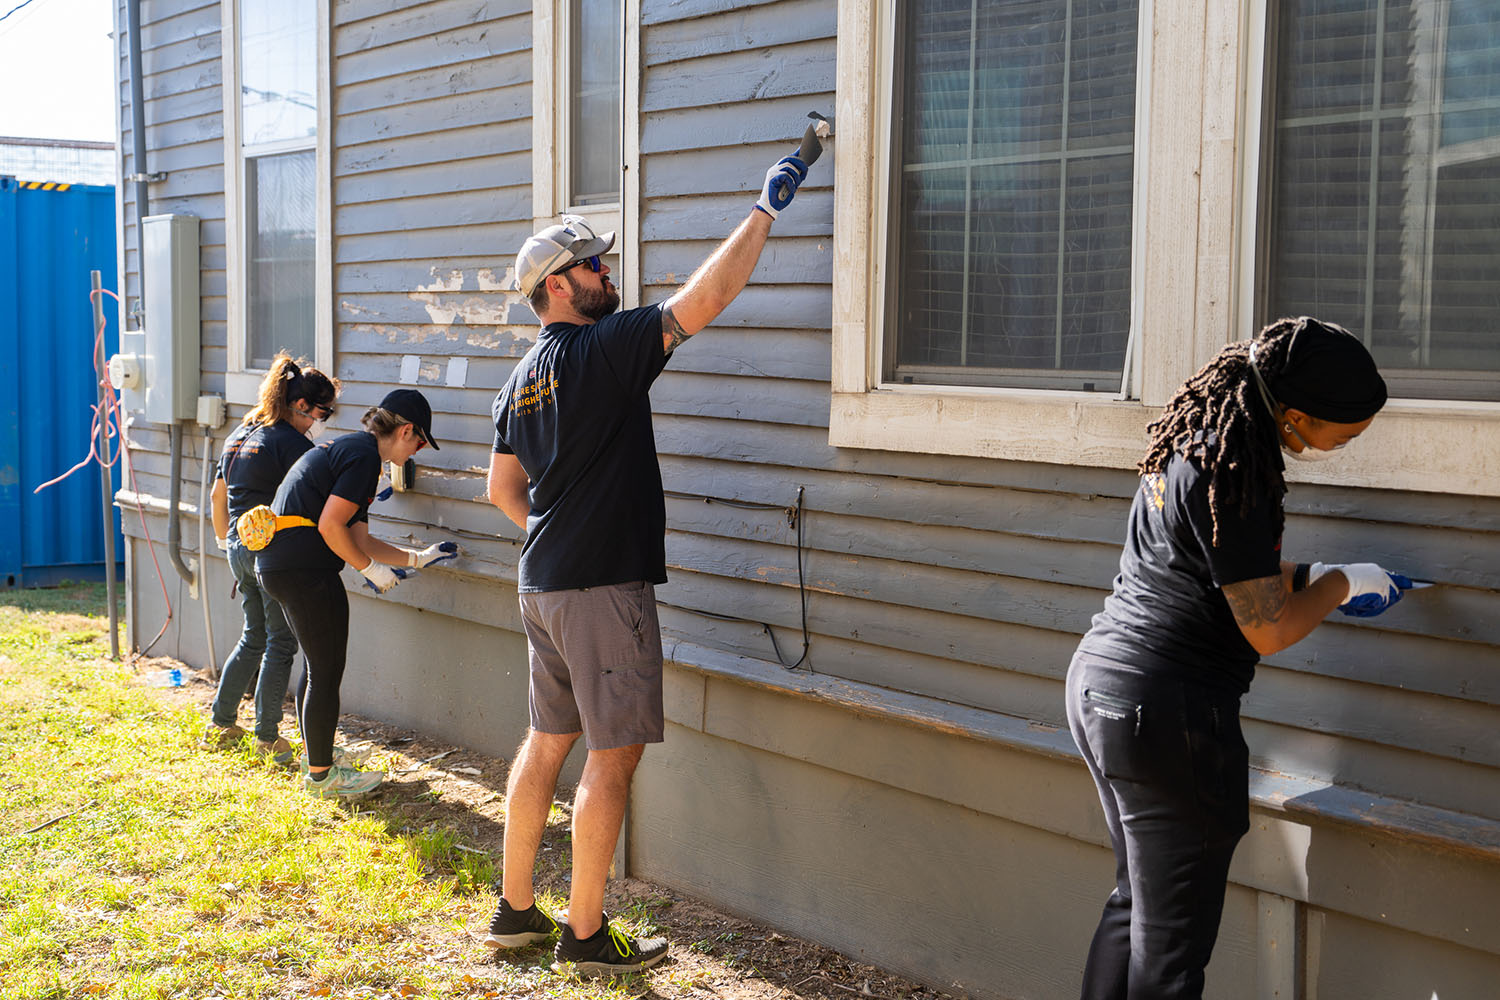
1257, 602
672, 332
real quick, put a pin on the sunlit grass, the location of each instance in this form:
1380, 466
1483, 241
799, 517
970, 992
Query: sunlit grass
170, 871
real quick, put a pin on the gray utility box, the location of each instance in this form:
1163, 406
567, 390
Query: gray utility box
170, 343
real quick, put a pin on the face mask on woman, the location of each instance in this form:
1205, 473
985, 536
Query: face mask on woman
1308, 452
316, 430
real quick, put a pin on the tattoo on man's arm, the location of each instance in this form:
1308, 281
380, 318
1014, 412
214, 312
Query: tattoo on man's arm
1257, 602
672, 332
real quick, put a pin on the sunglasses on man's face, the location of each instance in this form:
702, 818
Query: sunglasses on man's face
595, 263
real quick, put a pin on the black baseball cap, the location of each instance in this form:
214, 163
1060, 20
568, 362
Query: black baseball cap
412, 405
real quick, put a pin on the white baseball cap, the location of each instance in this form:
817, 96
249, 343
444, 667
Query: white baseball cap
554, 248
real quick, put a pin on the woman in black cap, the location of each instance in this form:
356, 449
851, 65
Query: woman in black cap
322, 510
293, 404
1153, 691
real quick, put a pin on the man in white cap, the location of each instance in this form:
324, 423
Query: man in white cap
575, 466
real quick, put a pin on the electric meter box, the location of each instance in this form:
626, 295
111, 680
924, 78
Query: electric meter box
170, 345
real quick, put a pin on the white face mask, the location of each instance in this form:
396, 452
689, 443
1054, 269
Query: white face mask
1308, 452
316, 430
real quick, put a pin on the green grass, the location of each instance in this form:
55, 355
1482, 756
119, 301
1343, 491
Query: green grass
172, 872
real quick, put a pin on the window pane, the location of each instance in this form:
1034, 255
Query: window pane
1386, 194
278, 70
594, 102
279, 200
1011, 244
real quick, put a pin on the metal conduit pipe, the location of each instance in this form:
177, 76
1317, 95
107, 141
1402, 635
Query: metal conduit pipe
142, 204
174, 519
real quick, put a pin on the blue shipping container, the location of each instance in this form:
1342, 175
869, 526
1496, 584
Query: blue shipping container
51, 237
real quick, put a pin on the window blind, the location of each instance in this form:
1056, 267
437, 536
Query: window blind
1012, 190
1385, 195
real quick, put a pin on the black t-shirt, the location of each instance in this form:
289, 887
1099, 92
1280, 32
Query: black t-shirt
1167, 612
576, 414
347, 467
254, 462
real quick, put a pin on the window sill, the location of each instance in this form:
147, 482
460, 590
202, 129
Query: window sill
1429, 446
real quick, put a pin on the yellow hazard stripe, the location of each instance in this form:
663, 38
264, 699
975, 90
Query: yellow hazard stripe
44, 186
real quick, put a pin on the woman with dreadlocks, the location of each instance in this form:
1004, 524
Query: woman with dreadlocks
1154, 688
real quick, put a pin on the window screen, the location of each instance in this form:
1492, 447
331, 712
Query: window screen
594, 102
279, 209
1012, 176
1385, 196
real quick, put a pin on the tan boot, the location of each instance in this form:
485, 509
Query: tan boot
215, 735
279, 750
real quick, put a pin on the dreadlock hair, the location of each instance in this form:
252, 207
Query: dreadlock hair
1219, 419
284, 384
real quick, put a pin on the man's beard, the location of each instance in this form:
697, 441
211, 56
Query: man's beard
595, 303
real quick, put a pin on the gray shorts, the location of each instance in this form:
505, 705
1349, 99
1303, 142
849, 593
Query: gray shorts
595, 663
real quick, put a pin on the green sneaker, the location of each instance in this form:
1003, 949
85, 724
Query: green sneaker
344, 784
342, 757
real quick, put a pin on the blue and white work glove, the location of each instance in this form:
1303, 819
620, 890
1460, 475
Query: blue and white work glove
781, 185
432, 554
1372, 590
385, 494
380, 578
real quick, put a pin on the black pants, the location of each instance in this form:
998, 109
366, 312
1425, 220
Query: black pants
317, 608
1173, 775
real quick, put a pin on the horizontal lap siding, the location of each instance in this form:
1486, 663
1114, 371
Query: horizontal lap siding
185, 139
963, 579
432, 195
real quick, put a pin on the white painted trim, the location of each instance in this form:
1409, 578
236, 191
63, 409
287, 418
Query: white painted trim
234, 282
242, 383
121, 288
630, 156
543, 125
323, 313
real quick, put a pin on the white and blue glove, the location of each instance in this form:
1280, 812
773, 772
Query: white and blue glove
432, 554
1372, 590
380, 578
781, 185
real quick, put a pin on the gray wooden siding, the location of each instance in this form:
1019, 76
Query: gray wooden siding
432, 194
185, 138
971, 580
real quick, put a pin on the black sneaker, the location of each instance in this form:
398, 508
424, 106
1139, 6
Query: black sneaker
610, 952
512, 928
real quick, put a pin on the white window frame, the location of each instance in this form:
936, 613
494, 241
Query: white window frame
241, 381
551, 73
1193, 273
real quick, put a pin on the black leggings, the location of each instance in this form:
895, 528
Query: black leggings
317, 608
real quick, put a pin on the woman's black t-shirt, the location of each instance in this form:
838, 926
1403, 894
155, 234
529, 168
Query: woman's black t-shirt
347, 467
1168, 613
254, 462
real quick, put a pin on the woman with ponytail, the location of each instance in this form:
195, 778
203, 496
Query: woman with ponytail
293, 404
1153, 692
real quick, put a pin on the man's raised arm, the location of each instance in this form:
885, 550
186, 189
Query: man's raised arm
724, 275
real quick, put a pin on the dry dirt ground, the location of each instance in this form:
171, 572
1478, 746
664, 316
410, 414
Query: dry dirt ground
713, 954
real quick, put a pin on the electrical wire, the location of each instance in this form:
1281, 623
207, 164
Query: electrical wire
107, 413
17, 7
795, 519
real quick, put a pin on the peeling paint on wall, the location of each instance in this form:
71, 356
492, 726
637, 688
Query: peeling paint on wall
492, 306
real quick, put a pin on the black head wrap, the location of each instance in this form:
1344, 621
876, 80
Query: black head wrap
1328, 374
